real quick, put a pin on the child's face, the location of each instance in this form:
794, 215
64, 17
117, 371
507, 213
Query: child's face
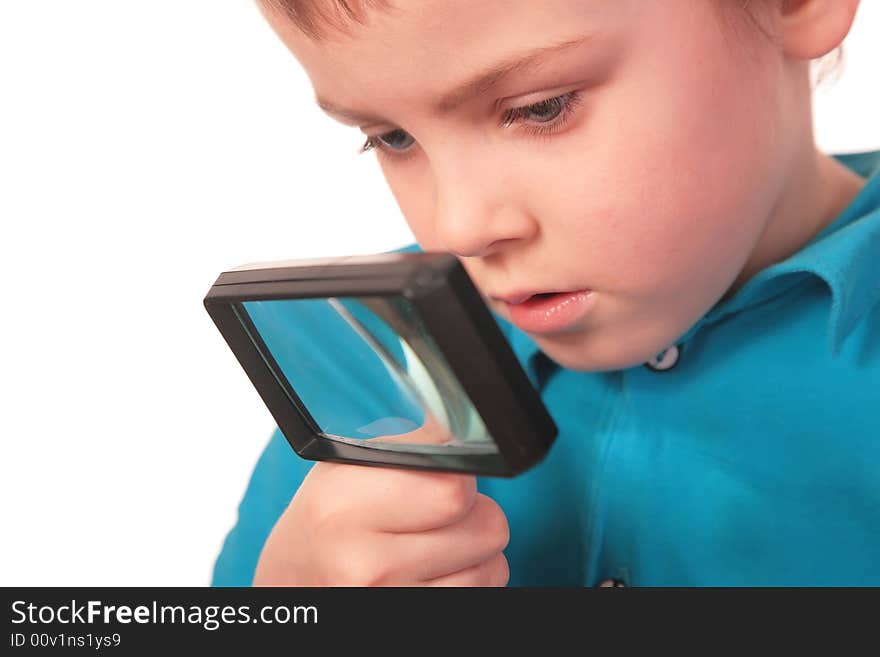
652, 189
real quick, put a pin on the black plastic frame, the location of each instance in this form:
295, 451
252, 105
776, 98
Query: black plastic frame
454, 314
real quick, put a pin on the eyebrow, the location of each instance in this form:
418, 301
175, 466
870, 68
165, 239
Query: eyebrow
476, 85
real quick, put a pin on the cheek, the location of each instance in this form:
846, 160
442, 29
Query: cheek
685, 188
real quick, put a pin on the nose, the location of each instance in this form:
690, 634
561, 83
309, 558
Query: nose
477, 209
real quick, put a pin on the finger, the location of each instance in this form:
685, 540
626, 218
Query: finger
494, 572
479, 536
394, 499
390, 499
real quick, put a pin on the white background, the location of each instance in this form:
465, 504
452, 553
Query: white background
144, 148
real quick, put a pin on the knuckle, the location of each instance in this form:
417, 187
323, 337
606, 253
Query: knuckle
354, 571
494, 572
500, 572
321, 518
495, 525
323, 514
451, 498
365, 571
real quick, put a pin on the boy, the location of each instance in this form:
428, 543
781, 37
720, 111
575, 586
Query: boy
711, 348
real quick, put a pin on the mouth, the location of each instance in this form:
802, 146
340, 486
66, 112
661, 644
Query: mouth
548, 312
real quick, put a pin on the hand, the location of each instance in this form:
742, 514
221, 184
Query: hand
354, 525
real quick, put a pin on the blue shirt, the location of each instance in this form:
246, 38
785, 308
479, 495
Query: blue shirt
746, 454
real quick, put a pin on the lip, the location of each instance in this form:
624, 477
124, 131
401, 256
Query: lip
548, 314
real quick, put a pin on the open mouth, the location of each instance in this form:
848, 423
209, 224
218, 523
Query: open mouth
551, 311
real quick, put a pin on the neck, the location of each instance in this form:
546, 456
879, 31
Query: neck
816, 194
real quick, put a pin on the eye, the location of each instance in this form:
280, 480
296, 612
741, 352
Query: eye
546, 110
546, 114
397, 140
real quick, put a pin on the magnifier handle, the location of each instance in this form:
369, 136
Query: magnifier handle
370, 526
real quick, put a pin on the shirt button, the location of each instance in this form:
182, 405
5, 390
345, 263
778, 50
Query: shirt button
665, 360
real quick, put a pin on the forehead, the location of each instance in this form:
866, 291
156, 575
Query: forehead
418, 47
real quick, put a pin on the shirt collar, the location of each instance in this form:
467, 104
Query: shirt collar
845, 255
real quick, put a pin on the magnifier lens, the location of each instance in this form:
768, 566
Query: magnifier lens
377, 373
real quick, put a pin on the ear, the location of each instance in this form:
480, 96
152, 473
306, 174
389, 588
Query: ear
813, 28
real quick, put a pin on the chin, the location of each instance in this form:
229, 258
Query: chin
587, 353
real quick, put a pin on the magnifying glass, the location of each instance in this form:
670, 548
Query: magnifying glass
386, 360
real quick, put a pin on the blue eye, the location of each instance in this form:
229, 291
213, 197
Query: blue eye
553, 112
542, 112
396, 140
